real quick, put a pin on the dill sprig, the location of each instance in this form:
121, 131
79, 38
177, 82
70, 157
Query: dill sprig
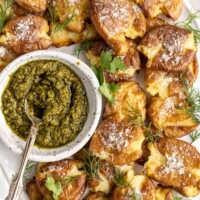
56, 24
83, 46
178, 198
121, 182
3, 12
136, 119
91, 165
29, 168
192, 107
195, 135
187, 24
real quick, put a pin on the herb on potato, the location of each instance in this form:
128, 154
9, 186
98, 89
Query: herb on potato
83, 46
3, 12
195, 135
56, 24
136, 119
56, 187
107, 62
187, 24
192, 94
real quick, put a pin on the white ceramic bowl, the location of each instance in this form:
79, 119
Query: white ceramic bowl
94, 100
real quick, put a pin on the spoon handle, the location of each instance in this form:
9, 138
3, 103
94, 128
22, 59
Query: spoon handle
17, 184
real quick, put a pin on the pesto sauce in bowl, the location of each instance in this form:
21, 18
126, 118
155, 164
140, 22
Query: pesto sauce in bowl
54, 93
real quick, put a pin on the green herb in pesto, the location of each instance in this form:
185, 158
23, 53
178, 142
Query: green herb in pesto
56, 94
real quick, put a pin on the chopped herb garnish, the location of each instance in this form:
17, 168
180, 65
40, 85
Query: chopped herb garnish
192, 107
136, 119
56, 24
111, 65
187, 24
3, 12
83, 46
195, 135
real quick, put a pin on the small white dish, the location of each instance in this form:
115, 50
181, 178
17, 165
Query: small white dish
94, 100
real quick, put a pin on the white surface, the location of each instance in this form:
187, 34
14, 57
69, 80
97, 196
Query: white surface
10, 161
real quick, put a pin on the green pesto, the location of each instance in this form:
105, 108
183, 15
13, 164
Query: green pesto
54, 93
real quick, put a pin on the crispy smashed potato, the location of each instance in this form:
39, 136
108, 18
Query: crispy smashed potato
65, 37
6, 57
166, 116
153, 8
189, 191
79, 8
33, 191
164, 83
97, 196
154, 23
116, 141
131, 61
117, 20
163, 193
62, 171
105, 182
25, 34
33, 5
130, 95
168, 48
173, 163
142, 186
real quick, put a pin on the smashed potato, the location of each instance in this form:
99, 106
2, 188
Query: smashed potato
25, 34
62, 171
163, 193
130, 95
173, 163
117, 20
116, 141
97, 196
168, 48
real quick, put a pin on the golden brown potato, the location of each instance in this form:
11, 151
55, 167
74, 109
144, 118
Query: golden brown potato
131, 61
97, 196
116, 141
79, 8
117, 20
105, 182
33, 191
154, 23
6, 57
168, 48
142, 188
25, 34
153, 8
33, 5
62, 171
129, 95
173, 163
164, 83
166, 116
65, 38
189, 191
163, 193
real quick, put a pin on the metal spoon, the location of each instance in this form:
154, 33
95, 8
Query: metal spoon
17, 184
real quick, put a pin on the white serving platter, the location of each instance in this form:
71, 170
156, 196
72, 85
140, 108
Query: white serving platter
9, 161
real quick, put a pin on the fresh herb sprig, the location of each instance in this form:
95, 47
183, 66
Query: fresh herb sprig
121, 182
83, 46
195, 135
187, 24
56, 186
91, 164
136, 119
3, 12
192, 107
56, 24
107, 62
29, 168
178, 198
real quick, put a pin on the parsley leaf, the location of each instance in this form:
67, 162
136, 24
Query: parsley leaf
117, 64
54, 186
111, 65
